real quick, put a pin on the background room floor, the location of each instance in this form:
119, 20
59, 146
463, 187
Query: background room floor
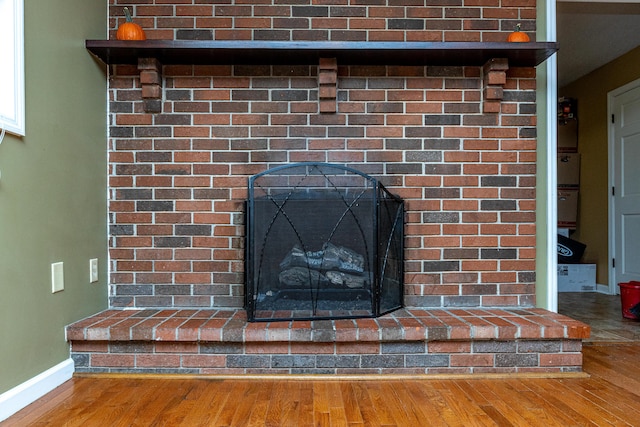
603, 313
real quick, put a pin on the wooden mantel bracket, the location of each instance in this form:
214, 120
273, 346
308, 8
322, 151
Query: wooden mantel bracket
328, 85
151, 83
495, 77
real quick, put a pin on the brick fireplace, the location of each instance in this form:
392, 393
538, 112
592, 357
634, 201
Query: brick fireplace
456, 141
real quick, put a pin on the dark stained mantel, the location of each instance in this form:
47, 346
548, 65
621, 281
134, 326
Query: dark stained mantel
150, 55
308, 52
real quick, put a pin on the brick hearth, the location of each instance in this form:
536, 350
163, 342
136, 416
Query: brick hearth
408, 341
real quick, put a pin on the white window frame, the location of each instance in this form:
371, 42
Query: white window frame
12, 116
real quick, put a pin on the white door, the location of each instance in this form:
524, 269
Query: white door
624, 104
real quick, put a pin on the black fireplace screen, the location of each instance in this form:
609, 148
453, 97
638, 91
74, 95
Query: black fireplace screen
324, 241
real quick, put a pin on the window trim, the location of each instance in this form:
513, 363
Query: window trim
16, 124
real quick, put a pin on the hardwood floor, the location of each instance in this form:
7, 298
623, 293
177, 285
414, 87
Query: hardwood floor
610, 395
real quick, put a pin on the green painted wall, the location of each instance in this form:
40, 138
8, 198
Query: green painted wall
53, 190
591, 92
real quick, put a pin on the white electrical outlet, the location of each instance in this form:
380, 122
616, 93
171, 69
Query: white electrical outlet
93, 270
57, 277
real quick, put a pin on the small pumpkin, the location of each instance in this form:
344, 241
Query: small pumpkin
518, 36
130, 30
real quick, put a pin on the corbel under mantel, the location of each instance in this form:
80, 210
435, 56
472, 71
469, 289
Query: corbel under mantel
151, 84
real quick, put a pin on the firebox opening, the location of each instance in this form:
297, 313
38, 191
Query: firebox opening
324, 241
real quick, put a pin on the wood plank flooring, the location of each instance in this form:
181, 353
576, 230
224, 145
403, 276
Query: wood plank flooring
610, 396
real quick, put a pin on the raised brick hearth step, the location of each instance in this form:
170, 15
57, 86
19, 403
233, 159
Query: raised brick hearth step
407, 341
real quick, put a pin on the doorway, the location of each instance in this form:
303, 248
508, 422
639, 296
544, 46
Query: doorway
595, 60
611, 190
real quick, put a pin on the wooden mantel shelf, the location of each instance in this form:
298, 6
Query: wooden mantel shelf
308, 52
150, 55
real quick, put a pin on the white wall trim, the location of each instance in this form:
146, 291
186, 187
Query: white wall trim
552, 186
551, 214
611, 182
28, 392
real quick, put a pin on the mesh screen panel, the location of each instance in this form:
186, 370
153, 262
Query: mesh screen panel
324, 241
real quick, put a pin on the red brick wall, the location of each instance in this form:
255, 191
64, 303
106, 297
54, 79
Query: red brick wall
353, 20
178, 178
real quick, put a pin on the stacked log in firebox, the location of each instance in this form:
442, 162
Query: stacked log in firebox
332, 266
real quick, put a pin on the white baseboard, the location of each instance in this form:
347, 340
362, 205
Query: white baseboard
28, 392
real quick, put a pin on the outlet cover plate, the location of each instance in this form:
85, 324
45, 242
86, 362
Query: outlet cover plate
93, 270
57, 277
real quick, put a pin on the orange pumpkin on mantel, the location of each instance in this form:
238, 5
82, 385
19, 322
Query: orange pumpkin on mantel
518, 36
130, 30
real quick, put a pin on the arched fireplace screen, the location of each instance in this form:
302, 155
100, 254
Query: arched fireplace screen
324, 241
